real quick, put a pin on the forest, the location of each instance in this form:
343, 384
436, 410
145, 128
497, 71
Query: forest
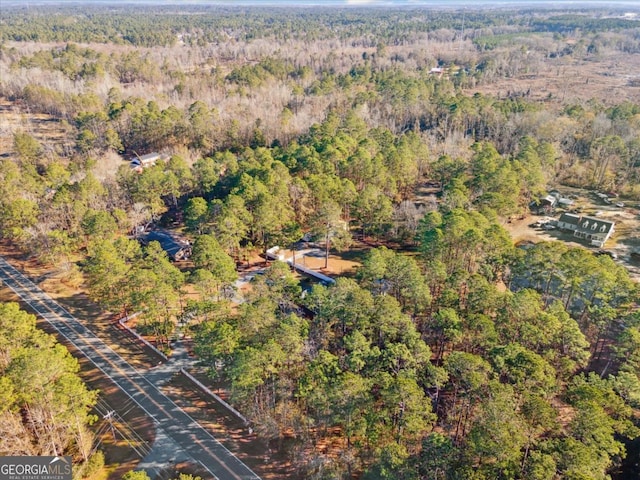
452, 351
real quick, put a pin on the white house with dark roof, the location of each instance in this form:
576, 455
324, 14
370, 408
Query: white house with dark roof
595, 230
592, 229
568, 221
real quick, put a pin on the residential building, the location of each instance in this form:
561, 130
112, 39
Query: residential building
544, 206
568, 221
594, 230
177, 248
145, 161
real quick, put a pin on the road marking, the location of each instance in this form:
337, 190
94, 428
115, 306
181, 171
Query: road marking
72, 326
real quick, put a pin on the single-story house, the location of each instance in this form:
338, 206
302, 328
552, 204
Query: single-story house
595, 230
177, 248
145, 161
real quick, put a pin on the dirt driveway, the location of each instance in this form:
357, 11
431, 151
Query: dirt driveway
626, 238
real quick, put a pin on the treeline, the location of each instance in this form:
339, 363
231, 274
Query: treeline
242, 94
414, 347
164, 25
423, 364
341, 177
571, 22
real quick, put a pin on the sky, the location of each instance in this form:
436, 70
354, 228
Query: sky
634, 4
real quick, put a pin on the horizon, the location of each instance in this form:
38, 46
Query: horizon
480, 4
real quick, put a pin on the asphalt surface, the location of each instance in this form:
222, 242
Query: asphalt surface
169, 418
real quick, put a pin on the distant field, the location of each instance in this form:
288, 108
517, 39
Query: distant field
566, 80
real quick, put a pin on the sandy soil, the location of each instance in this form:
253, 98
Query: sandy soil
50, 132
340, 264
625, 239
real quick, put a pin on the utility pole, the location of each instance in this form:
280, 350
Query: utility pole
109, 418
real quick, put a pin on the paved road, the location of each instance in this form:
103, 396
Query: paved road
169, 418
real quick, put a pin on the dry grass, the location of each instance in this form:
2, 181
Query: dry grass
339, 264
566, 80
52, 134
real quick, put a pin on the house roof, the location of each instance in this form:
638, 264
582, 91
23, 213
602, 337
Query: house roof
569, 218
593, 225
169, 243
148, 160
550, 199
149, 157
